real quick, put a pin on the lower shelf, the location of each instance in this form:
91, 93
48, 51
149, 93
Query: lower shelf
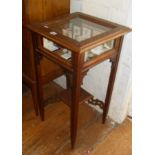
56, 93
65, 96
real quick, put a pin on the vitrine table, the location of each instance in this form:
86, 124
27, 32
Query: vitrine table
77, 42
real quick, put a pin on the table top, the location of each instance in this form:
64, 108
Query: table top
78, 31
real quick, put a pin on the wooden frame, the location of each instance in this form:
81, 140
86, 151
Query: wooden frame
37, 11
77, 68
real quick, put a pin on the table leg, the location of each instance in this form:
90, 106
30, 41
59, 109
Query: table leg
35, 97
118, 45
39, 86
68, 80
37, 58
77, 63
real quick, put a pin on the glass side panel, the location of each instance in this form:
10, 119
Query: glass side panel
98, 50
79, 29
67, 54
52, 47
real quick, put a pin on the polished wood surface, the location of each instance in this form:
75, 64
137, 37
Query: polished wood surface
118, 142
77, 66
52, 137
39, 11
66, 96
82, 46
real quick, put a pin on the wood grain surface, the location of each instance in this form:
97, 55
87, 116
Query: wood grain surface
52, 137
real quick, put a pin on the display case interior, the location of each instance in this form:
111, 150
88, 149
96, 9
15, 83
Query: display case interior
67, 54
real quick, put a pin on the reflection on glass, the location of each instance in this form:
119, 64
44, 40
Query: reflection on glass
80, 29
66, 54
51, 46
98, 50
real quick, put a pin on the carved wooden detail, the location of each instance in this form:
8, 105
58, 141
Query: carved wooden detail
69, 78
112, 59
96, 102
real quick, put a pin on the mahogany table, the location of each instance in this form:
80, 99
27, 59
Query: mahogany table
77, 42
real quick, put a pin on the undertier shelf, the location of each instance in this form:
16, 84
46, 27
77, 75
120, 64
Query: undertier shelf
65, 96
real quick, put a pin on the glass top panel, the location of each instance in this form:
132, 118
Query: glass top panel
80, 29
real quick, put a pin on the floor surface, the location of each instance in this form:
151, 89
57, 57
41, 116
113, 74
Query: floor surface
52, 137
